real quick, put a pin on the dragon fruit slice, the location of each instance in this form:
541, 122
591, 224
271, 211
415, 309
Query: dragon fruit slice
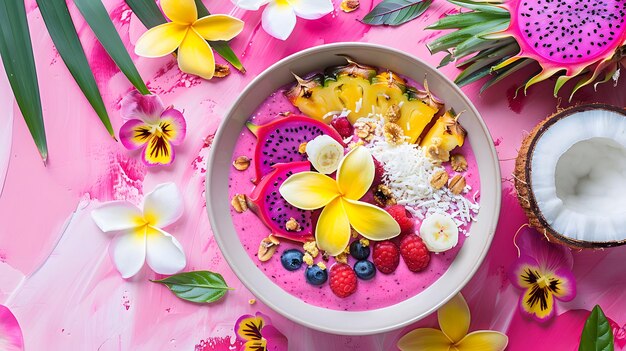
279, 141
275, 211
580, 39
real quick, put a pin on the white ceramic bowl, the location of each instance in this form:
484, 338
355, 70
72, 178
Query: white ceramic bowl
362, 322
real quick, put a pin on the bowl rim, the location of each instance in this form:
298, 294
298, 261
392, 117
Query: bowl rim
341, 327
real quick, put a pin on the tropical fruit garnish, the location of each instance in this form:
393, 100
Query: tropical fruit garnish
569, 176
444, 136
571, 39
280, 141
276, 212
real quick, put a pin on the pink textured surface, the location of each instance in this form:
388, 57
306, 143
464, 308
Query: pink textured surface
55, 273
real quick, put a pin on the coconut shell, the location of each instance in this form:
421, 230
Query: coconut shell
523, 183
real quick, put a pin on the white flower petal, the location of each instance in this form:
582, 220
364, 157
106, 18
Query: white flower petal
279, 20
312, 9
129, 252
117, 215
252, 5
165, 254
163, 206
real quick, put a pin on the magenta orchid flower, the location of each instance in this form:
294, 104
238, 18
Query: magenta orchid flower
11, 338
258, 334
152, 127
544, 272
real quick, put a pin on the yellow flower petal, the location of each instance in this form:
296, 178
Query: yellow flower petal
332, 232
424, 339
161, 40
159, 151
454, 318
195, 56
483, 340
309, 190
538, 302
180, 11
370, 221
218, 27
249, 328
356, 173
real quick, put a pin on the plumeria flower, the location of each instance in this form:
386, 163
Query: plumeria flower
544, 271
139, 235
258, 334
312, 190
279, 16
152, 127
11, 338
454, 321
188, 34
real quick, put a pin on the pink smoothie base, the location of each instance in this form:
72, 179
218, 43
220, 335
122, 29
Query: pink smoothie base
381, 291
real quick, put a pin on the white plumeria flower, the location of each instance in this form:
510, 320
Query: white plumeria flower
139, 235
279, 16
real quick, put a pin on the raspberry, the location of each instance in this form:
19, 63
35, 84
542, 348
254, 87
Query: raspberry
342, 280
343, 127
386, 256
379, 171
414, 253
403, 217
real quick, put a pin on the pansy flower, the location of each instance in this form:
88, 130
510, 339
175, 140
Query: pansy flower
138, 234
151, 127
339, 197
11, 338
454, 321
544, 272
258, 334
279, 16
189, 35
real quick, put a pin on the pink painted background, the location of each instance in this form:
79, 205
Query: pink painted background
55, 273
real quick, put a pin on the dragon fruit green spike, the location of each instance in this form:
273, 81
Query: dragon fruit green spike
578, 40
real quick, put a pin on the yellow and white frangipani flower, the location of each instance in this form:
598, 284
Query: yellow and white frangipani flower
188, 34
312, 190
279, 16
139, 236
454, 321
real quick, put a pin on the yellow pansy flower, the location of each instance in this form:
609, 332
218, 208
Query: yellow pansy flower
339, 197
188, 34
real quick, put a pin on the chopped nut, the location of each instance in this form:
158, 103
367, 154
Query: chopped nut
252, 301
439, 179
393, 133
302, 148
352, 145
273, 239
241, 163
365, 131
393, 113
364, 242
311, 247
383, 196
292, 225
321, 265
266, 250
308, 259
325, 256
342, 258
239, 203
221, 71
436, 152
353, 233
457, 184
458, 162
349, 5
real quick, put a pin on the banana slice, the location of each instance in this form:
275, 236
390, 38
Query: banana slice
439, 232
324, 153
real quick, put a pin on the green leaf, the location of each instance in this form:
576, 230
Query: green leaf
505, 72
198, 286
597, 334
17, 56
61, 28
463, 20
455, 38
483, 6
98, 19
446, 60
395, 12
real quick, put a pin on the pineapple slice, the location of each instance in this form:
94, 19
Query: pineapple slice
313, 98
445, 135
349, 83
415, 115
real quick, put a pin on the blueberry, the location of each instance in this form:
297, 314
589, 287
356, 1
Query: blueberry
315, 275
358, 251
364, 269
291, 259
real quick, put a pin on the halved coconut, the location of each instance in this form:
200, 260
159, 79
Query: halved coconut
570, 176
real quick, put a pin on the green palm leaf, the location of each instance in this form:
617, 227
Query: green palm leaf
61, 28
17, 56
98, 19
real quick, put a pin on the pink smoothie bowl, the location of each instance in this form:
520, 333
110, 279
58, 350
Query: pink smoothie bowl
372, 321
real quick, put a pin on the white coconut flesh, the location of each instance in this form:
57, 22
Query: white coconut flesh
578, 176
